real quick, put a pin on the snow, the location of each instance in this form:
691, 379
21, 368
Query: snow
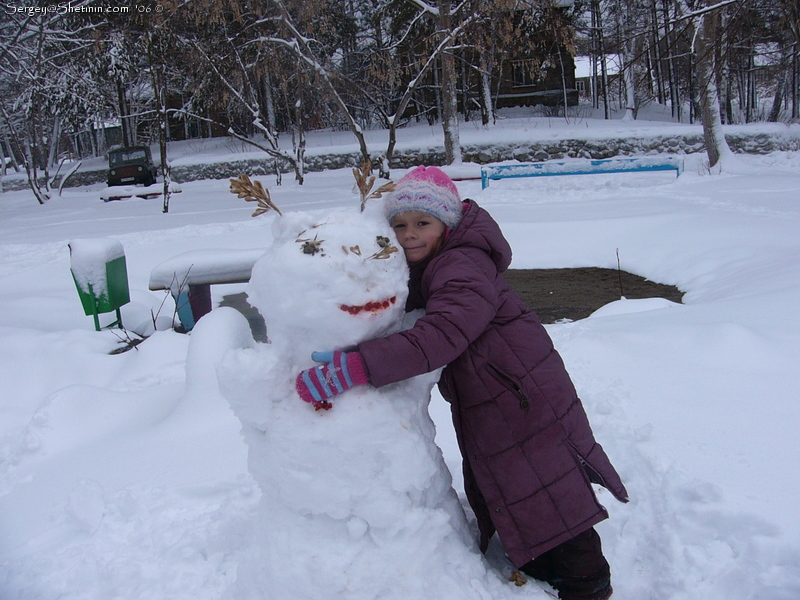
128, 475
367, 476
88, 258
204, 266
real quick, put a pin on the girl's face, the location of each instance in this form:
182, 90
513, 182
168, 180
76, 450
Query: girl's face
419, 234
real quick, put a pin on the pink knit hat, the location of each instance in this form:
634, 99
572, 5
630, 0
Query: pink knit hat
427, 189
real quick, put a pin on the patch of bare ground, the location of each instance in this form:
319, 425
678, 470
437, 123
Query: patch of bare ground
557, 294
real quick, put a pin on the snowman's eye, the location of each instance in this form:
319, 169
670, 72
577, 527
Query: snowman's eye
310, 246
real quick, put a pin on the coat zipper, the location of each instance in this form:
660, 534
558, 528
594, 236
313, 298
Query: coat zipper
524, 403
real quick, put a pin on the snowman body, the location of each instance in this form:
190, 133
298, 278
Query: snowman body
356, 502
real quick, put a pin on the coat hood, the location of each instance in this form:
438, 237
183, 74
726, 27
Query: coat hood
478, 229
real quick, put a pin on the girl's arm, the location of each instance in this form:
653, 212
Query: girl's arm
462, 302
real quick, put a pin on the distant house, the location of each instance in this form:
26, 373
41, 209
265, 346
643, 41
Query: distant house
541, 74
527, 82
585, 81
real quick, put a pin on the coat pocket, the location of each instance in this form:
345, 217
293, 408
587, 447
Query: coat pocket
511, 384
592, 473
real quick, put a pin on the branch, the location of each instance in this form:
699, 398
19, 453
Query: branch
300, 46
425, 7
700, 12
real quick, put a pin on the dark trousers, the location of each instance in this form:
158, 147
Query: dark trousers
576, 568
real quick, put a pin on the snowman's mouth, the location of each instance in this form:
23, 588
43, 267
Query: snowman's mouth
371, 307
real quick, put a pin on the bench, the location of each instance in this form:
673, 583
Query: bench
583, 167
189, 277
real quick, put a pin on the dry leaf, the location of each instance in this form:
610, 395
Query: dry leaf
253, 191
365, 181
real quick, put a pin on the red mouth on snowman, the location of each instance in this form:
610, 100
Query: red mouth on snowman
369, 307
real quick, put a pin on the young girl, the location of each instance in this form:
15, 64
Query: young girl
529, 454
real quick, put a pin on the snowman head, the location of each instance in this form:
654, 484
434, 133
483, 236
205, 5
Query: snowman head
330, 281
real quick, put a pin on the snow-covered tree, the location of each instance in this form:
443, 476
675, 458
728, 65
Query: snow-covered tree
789, 19
42, 70
704, 20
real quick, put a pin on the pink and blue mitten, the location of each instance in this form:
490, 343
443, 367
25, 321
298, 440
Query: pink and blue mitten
341, 371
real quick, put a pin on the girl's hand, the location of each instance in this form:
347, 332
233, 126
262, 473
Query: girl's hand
341, 371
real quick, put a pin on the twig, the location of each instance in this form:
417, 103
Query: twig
253, 191
365, 181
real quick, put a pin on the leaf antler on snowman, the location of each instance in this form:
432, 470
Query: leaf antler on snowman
253, 191
365, 181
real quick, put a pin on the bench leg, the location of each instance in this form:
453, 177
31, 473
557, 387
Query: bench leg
192, 305
200, 300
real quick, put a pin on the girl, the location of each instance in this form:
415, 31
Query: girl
529, 454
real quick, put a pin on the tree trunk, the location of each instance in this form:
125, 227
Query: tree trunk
465, 109
707, 35
10, 152
629, 78
122, 107
777, 101
564, 92
603, 64
487, 106
163, 135
42, 193
452, 142
269, 104
159, 79
54, 142
658, 66
795, 69
299, 136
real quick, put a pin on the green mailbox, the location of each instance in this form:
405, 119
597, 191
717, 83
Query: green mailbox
101, 276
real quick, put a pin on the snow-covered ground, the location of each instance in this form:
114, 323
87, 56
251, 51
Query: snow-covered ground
125, 476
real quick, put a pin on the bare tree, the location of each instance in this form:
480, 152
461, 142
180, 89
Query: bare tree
40, 66
303, 47
705, 24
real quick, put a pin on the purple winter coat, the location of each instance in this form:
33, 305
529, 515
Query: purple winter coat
529, 451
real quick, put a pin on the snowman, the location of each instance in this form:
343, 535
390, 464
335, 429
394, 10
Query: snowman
356, 501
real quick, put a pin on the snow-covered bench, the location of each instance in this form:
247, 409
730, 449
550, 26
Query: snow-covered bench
583, 167
189, 277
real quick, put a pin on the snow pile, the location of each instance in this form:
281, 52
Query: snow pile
88, 258
356, 502
203, 266
126, 476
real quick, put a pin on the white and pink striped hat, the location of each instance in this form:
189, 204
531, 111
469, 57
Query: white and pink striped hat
427, 189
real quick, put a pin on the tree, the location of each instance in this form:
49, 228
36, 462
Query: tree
303, 47
789, 11
41, 69
705, 23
